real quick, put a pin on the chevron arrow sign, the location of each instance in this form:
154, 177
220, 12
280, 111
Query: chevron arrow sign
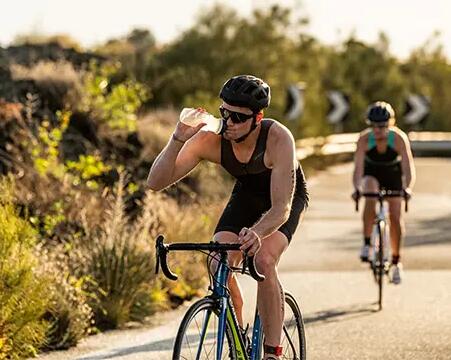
417, 108
338, 106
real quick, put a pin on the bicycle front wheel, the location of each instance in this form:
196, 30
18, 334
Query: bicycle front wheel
197, 335
293, 334
381, 262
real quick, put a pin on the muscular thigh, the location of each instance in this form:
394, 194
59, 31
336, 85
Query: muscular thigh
235, 257
370, 184
270, 251
394, 205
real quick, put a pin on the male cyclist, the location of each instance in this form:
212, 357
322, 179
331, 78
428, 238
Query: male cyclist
383, 160
269, 195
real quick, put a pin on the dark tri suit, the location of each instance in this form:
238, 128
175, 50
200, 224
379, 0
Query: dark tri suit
251, 195
385, 167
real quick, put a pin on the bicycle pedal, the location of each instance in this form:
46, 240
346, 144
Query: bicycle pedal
386, 267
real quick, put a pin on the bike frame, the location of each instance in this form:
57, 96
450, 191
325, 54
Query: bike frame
227, 314
379, 223
381, 236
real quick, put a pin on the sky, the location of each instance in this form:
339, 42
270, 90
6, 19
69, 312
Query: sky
408, 23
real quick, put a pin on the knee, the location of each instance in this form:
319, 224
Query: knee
370, 207
395, 218
266, 263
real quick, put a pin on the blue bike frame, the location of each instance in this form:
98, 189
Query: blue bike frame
226, 314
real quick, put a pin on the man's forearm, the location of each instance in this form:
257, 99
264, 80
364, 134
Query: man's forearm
271, 221
161, 172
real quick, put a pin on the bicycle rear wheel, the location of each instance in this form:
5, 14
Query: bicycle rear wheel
293, 334
197, 335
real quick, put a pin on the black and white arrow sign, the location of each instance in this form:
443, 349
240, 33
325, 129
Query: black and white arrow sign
338, 106
295, 101
417, 108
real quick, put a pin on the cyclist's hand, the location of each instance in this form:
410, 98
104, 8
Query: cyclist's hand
407, 193
356, 195
184, 132
250, 240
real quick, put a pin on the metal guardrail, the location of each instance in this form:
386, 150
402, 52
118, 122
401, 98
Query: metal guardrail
422, 143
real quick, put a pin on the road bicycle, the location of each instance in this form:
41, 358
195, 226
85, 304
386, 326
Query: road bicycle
380, 237
210, 330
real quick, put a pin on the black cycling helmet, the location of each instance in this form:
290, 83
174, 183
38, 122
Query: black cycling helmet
379, 112
246, 91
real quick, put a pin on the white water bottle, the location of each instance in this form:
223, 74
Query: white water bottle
193, 117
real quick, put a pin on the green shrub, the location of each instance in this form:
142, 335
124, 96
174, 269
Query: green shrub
23, 294
44, 149
68, 314
113, 104
87, 167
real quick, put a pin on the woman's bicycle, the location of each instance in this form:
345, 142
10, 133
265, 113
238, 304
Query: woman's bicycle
210, 330
380, 237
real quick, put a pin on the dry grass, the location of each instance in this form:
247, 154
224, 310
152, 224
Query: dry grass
119, 257
59, 81
63, 40
154, 130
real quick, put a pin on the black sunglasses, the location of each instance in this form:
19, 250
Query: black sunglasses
236, 117
379, 126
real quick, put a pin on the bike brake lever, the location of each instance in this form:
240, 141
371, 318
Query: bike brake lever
252, 269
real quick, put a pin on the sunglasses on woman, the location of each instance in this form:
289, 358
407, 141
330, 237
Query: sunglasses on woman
236, 117
379, 126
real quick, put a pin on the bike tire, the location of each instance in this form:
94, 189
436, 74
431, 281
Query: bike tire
293, 333
186, 343
293, 342
381, 261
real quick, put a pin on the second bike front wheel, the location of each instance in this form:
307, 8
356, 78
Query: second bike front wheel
381, 262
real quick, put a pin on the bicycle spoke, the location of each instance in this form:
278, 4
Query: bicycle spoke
289, 342
198, 336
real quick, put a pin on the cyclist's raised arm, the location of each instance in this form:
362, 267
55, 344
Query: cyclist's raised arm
407, 164
184, 150
359, 161
283, 179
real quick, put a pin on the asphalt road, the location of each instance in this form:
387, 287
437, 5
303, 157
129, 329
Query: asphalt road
337, 294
